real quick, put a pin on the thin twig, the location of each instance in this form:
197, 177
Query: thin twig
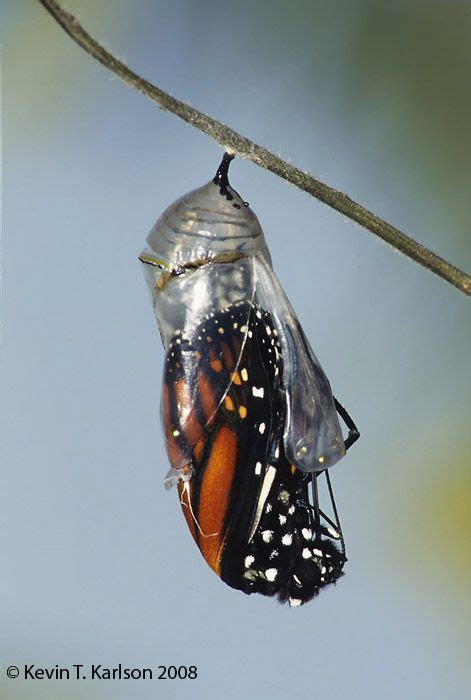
244, 148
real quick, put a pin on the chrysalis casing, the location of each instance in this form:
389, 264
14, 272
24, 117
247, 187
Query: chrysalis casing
248, 413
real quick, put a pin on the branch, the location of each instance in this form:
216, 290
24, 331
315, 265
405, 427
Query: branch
244, 148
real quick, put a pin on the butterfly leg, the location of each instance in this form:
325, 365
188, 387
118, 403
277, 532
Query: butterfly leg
353, 432
315, 503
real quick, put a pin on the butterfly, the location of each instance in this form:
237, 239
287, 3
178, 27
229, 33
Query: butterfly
249, 417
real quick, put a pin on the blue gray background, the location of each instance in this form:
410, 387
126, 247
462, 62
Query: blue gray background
98, 566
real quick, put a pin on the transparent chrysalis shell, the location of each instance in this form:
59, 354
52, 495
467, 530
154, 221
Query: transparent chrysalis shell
206, 253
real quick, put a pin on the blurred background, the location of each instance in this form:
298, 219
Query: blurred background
372, 97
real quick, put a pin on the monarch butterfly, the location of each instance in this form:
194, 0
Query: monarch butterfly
248, 413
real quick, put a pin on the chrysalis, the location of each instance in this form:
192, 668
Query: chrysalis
248, 413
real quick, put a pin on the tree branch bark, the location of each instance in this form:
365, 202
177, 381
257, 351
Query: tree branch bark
244, 148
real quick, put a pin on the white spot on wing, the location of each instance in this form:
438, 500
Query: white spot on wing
258, 468
271, 574
249, 561
287, 539
261, 428
259, 393
267, 536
